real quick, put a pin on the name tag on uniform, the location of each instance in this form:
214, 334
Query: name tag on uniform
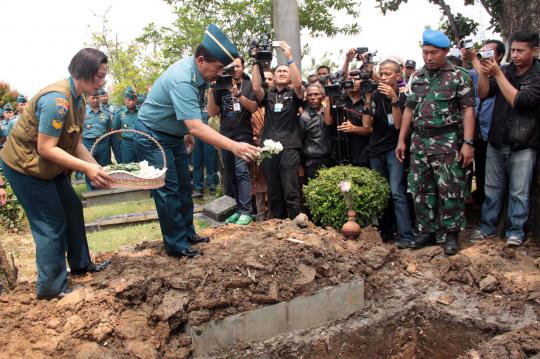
390, 119
278, 107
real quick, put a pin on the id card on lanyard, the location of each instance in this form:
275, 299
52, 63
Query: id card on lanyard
278, 106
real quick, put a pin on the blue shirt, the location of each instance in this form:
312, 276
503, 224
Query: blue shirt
3, 131
125, 119
96, 123
484, 108
177, 95
10, 124
52, 109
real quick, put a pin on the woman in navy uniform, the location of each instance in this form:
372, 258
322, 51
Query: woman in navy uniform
43, 148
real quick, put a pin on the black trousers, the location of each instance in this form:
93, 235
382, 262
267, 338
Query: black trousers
281, 172
480, 149
312, 166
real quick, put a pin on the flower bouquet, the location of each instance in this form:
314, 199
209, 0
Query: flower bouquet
270, 148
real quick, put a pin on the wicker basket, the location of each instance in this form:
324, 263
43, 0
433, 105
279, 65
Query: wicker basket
124, 179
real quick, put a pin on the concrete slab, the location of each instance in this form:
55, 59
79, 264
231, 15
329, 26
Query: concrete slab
220, 208
108, 196
326, 305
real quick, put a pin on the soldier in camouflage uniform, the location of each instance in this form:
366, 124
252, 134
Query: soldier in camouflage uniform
440, 111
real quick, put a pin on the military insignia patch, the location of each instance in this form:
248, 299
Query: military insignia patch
62, 108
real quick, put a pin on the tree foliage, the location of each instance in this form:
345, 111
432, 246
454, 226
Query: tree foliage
132, 64
241, 20
7, 94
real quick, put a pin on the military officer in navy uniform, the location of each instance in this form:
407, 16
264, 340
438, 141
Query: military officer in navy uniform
97, 122
125, 120
40, 152
172, 114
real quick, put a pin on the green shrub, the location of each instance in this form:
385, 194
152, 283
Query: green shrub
370, 193
12, 214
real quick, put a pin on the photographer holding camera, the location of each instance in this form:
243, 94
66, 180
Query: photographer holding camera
282, 103
235, 106
386, 106
352, 131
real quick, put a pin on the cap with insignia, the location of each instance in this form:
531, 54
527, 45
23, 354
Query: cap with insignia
8, 107
130, 93
21, 99
217, 43
101, 92
410, 64
435, 38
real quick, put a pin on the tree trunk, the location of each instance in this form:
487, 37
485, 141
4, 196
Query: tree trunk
8, 272
519, 15
287, 28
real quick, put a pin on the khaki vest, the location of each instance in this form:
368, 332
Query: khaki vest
20, 150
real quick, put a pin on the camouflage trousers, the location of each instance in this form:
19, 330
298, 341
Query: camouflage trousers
437, 184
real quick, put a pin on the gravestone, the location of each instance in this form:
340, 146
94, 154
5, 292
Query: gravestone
220, 208
116, 195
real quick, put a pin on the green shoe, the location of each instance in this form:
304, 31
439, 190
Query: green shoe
244, 219
233, 218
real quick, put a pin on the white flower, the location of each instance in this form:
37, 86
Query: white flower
345, 186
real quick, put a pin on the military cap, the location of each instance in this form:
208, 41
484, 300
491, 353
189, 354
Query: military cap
217, 43
21, 99
435, 38
410, 63
101, 92
130, 93
8, 107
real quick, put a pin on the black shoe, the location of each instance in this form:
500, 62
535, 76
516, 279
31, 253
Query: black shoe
451, 247
59, 295
440, 237
188, 252
423, 240
403, 243
92, 268
387, 236
196, 239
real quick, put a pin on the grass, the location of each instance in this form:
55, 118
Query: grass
112, 239
107, 210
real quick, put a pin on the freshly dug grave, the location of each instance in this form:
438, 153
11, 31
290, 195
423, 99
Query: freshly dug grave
141, 305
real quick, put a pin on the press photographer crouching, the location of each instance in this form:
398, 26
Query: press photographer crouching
282, 103
386, 106
316, 131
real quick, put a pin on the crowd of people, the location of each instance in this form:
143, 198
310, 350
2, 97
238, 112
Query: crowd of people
426, 130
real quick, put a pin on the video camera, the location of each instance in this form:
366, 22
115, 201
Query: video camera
368, 58
225, 80
264, 48
367, 85
486, 54
466, 44
337, 85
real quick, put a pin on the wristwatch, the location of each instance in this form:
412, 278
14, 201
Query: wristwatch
468, 142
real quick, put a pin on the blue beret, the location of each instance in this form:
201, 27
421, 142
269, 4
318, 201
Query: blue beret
21, 99
217, 43
8, 107
435, 38
101, 92
130, 93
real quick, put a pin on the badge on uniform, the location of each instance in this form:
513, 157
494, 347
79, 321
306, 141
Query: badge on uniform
390, 119
278, 107
236, 105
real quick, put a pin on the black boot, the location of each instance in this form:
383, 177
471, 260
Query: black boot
451, 247
423, 240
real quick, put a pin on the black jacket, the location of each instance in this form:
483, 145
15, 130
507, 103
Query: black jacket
517, 127
315, 134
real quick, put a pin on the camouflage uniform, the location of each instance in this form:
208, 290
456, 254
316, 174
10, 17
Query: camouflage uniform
436, 179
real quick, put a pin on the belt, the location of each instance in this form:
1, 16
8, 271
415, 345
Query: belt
436, 131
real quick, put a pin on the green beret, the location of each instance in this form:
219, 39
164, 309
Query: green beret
130, 93
21, 99
8, 107
217, 43
435, 38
